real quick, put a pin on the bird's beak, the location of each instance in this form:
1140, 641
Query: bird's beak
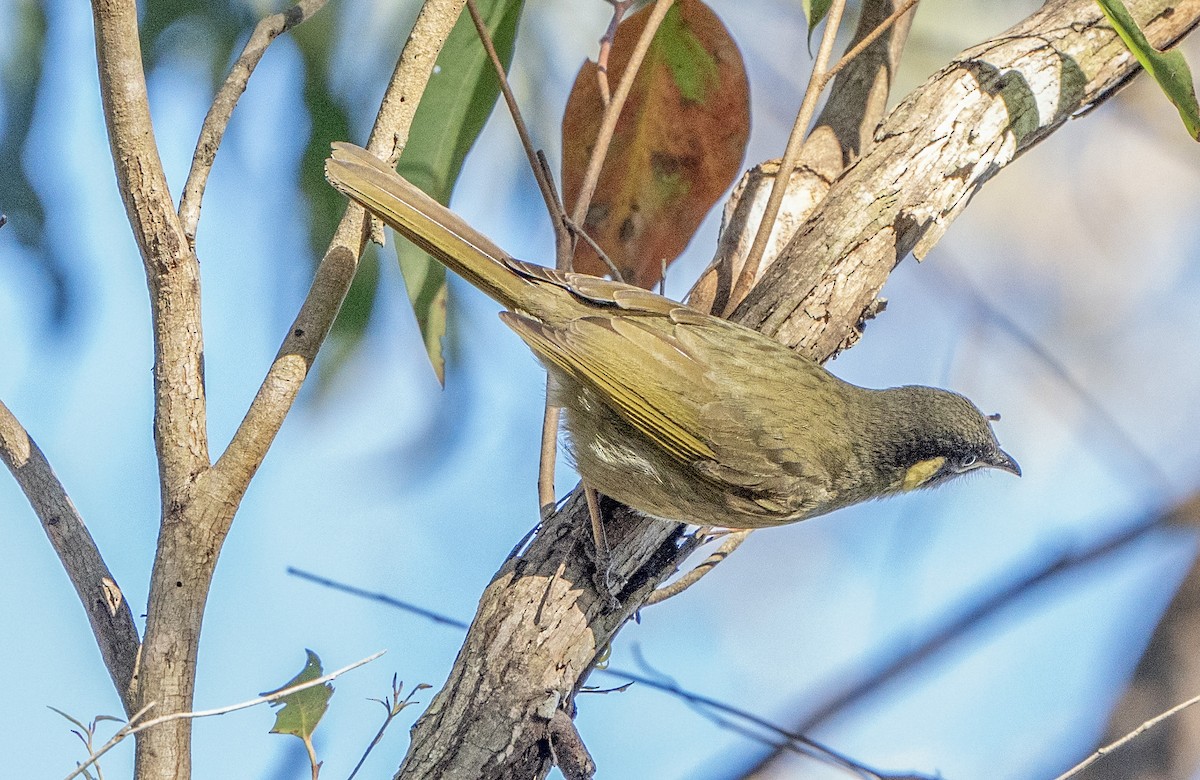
1005, 462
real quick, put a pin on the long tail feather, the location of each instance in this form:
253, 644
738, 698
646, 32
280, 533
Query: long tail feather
366, 179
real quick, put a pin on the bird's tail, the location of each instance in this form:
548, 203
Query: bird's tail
365, 178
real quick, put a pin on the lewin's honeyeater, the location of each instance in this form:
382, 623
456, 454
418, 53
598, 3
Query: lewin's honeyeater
686, 416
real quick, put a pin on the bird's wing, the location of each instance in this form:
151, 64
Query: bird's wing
640, 369
602, 293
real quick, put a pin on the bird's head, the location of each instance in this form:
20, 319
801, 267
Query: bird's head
931, 436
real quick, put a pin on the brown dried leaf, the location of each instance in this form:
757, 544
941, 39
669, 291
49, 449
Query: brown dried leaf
678, 144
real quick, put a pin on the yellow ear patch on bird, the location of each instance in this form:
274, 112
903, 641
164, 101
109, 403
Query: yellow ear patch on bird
921, 472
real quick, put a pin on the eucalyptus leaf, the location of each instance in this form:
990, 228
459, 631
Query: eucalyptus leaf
454, 108
814, 11
1168, 68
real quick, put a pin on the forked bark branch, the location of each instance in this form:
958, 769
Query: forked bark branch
199, 501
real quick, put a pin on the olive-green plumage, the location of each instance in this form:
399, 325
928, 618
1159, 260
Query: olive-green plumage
683, 415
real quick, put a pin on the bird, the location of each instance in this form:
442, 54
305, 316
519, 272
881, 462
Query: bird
682, 415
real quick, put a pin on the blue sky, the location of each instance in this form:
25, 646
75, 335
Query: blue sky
388, 483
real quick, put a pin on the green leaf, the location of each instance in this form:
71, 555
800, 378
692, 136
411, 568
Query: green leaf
425, 279
302, 710
452, 113
1168, 68
814, 11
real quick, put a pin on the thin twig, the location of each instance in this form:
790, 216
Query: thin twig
130, 728
544, 182
731, 543
578, 232
606, 44
867, 40
608, 124
87, 735
394, 705
562, 238
817, 82
791, 154
599, 536
217, 120
120, 735
1142, 729
805, 745
114, 629
547, 452
436, 617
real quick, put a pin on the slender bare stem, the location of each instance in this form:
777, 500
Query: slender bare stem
606, 44
544, 182
213, 129
731, 543
1142, 729
612, 112
791, 154
547, 452
821, 77
110, 617
867, 40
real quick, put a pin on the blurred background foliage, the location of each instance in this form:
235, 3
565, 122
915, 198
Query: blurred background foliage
210, 35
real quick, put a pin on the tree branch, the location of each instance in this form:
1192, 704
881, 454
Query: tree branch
217, 119
108, 613
282, 383
964, 125
198, 501
172, 271
514, 671
185, 554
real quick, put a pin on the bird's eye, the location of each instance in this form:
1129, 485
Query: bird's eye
967, 462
